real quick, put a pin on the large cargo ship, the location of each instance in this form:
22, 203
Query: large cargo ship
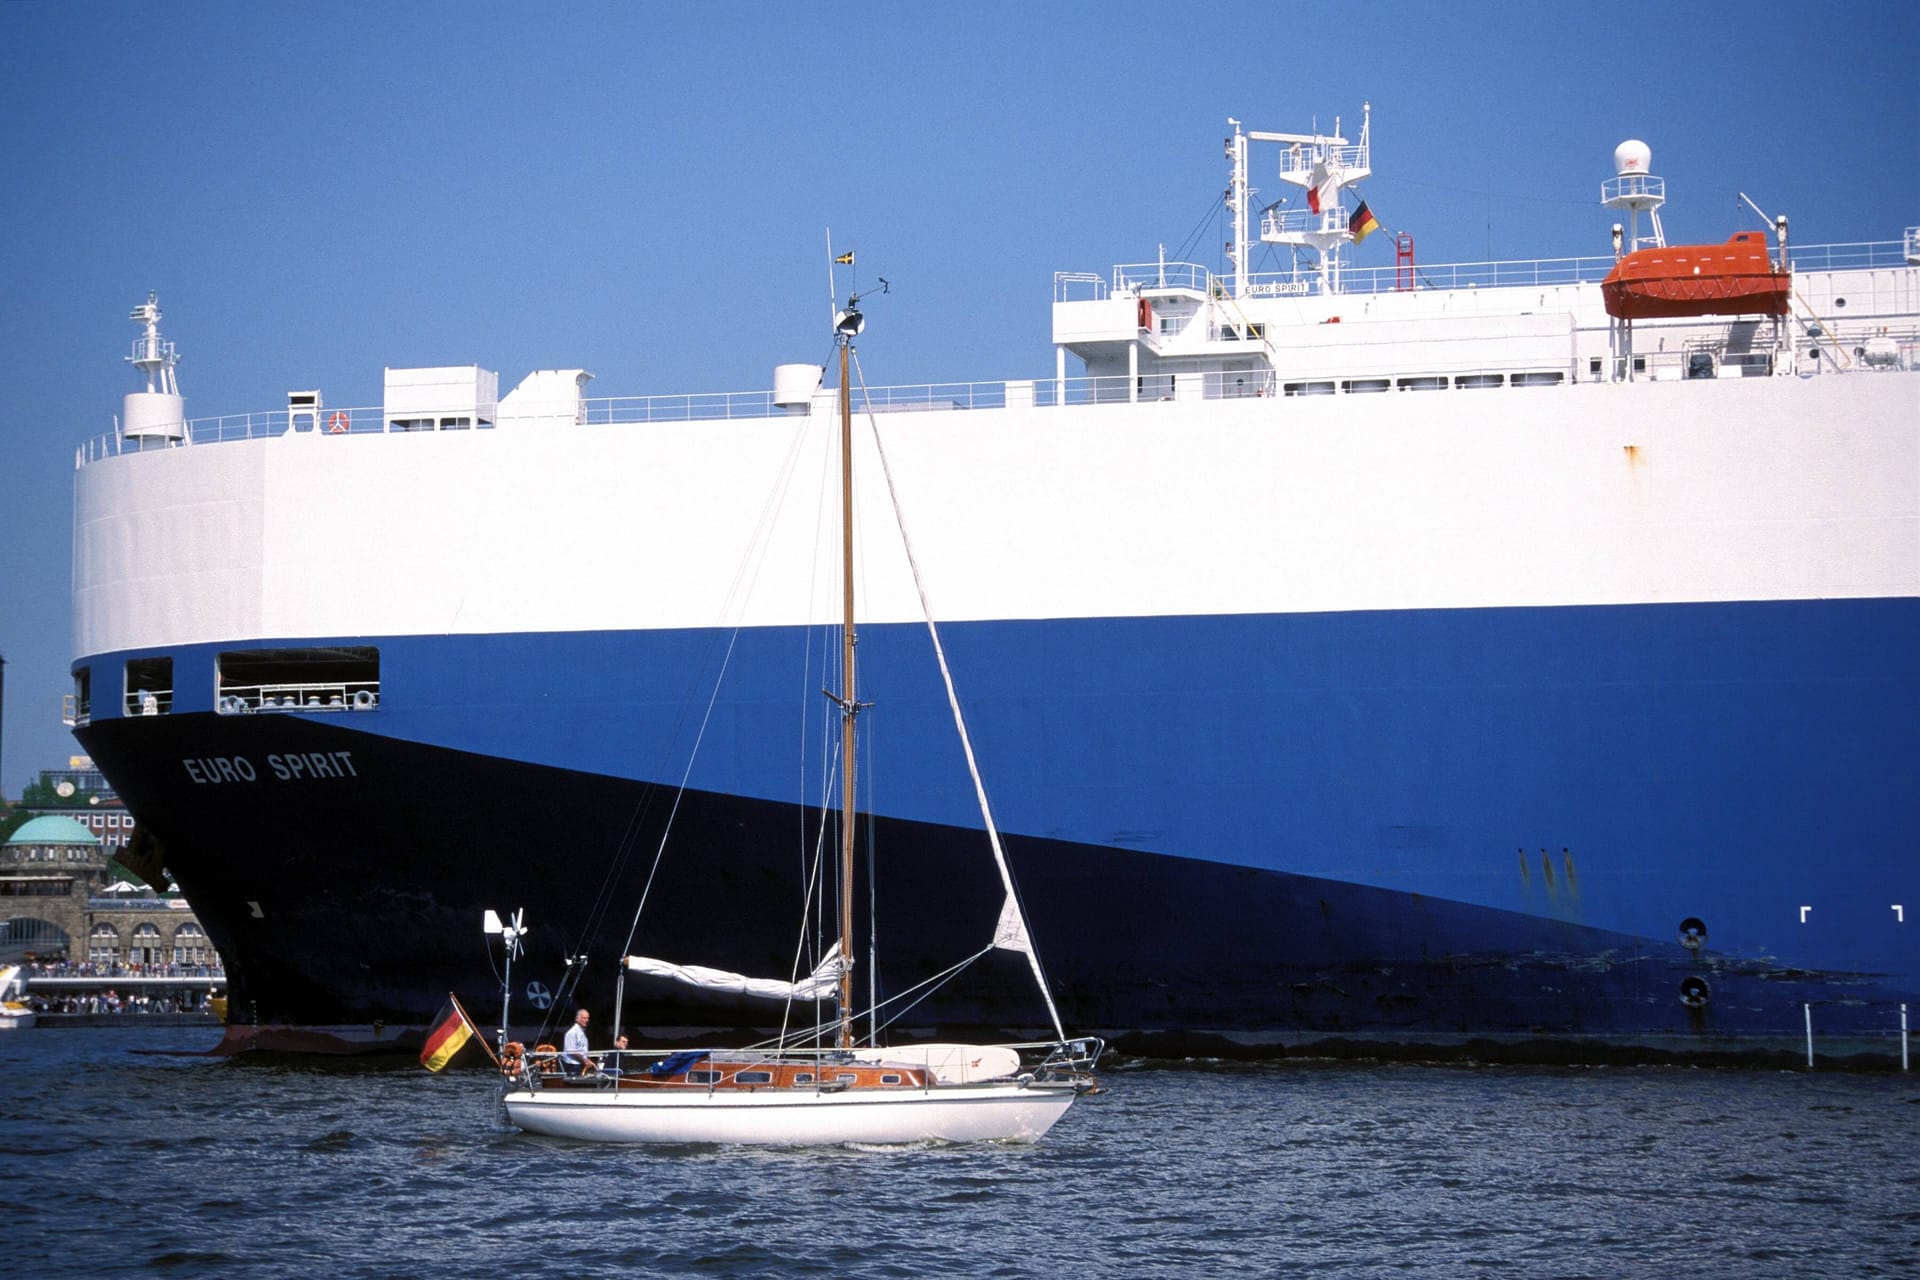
1389, 660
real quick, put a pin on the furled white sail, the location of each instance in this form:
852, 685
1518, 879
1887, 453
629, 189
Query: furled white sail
818, 985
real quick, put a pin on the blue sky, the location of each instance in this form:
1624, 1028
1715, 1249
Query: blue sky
319, 191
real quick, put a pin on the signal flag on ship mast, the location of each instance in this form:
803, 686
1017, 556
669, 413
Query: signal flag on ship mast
845, 259
1323, 186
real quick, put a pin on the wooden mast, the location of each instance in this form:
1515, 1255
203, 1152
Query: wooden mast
849, 705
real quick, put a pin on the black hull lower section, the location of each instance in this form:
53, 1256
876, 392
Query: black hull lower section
346, 901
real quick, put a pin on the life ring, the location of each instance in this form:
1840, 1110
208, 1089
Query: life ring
363, 700
1144, 313
337, 423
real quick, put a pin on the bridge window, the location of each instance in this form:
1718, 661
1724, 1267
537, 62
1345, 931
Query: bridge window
103, 945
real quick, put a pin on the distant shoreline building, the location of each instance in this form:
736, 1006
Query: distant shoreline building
58, 903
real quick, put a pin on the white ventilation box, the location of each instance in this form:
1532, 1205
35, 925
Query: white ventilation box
449, 398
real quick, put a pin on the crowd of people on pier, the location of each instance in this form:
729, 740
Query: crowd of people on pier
135, 1001
110, 1001
91, 969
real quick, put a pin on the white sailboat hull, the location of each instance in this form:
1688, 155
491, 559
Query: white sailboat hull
1004, 1112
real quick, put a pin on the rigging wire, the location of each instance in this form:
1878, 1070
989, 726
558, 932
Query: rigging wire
739, 590
919, 992
959, 721
1192, 241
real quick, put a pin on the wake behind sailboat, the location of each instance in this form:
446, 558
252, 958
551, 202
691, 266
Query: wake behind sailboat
790, 1092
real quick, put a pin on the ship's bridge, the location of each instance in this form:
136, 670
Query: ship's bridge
1160, 330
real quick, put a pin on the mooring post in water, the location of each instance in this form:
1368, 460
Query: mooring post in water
1903, 1036
1809, 1012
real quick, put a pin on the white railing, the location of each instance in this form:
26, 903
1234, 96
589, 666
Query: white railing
1849, 257
1068, 287
1529, 273
1478, 275
148, 702
1079, 286
1634, 186
1132, 277
325, 695
1301, 159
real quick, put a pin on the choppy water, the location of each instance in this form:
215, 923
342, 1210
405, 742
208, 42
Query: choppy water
116, 1162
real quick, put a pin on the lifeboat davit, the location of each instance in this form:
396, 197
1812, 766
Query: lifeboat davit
1732, 279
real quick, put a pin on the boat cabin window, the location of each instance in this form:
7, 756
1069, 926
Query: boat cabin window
83, 693
847, 1077
753, 1077
703, 1077
892, 1077
346, 678
149, 686
803, 1077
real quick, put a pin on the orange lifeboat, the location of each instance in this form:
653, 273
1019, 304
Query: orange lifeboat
1732, 279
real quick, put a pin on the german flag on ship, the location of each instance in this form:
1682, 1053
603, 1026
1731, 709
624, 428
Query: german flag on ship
451, 1031
1362, 224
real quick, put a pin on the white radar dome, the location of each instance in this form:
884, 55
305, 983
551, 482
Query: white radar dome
1632, 156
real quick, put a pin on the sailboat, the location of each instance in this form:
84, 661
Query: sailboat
791, 1093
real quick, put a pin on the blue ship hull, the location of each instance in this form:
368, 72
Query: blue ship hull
1680, 827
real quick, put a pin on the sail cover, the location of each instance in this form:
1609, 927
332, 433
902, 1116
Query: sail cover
818, 985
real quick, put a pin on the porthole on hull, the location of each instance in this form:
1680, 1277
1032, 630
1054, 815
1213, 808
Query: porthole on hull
1694, 993
1693, 933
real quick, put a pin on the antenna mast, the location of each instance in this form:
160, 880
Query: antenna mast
1323, 166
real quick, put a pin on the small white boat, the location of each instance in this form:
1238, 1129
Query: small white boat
15, 1012
804, 1090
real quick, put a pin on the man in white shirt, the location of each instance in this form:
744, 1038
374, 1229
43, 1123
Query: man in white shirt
573, 1056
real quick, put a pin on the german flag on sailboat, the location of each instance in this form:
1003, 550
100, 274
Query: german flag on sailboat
451, 1031
1362, 224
